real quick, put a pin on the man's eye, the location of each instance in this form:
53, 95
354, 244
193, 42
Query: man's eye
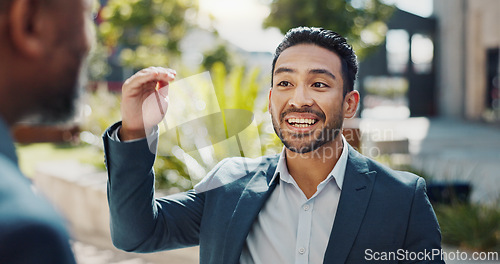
284, 83
319, 85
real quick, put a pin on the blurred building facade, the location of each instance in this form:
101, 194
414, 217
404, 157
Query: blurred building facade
467, 58
445, 65
398, 79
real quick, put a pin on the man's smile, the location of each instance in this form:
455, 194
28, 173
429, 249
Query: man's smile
301, 121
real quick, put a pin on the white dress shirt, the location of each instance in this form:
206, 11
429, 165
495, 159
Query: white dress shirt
291, 228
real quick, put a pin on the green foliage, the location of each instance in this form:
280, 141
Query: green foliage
362, 22
238, 89
101, 110
219, 54
31, 155
145, 32
389, 87
466, 225
470, 226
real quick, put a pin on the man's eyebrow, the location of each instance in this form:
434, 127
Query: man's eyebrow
323, 71
282, 69
313, 71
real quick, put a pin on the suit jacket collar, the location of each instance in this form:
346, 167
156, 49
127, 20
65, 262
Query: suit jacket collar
6, 143
251, 201
354, 199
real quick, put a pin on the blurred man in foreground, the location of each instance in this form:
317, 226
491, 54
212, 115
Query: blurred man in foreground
43, 44
319, 201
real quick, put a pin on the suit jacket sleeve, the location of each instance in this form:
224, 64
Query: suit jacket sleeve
139, 222
423, 233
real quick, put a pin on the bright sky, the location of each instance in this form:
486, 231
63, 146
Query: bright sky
240, 21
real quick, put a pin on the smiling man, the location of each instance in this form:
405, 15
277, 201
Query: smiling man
319, 201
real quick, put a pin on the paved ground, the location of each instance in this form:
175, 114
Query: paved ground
93, 250
87, 253
449, 150
91, 254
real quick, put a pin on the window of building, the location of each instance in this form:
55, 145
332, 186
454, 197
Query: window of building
422, 53
398, 50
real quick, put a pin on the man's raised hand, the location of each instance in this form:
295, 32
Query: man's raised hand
144, 101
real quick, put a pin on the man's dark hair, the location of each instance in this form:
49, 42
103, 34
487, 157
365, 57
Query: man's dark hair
327, 39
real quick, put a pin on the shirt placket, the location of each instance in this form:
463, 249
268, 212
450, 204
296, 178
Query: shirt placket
304, 233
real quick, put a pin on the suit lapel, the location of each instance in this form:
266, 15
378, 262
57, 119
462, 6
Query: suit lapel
354, 199
253, 197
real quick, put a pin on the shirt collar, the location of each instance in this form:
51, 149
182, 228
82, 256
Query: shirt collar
338, 171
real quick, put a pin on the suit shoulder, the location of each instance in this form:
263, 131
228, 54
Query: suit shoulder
20, 205
391, 177
234, 170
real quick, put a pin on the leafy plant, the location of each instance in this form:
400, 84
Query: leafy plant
470, 226
362, 22
146, 32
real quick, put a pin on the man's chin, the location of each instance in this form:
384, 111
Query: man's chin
60, 108
55, 112
303, 147
50, 117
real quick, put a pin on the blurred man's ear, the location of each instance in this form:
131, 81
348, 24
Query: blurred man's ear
351, 102
269, 100
28, 26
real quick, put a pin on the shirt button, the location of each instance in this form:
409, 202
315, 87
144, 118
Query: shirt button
306, 207
302, 251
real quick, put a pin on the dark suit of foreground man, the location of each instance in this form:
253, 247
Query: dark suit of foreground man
319, 201
42, 46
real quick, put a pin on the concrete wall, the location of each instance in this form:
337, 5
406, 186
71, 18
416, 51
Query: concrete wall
466, 29
450, 60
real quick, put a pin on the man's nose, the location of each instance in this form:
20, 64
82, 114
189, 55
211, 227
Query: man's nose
301, 97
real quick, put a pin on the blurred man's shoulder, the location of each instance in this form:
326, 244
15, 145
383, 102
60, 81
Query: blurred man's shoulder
21, 206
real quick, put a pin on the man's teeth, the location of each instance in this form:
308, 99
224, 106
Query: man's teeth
301, 122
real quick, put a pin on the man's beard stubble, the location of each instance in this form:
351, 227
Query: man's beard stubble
325, 135
60, 105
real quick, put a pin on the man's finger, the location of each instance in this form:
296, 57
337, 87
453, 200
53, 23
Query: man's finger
151, 75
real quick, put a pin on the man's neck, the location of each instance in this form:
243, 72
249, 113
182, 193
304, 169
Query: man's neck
310, 169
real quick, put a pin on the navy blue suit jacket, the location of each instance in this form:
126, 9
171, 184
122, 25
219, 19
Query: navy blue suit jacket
30, 229
379, 209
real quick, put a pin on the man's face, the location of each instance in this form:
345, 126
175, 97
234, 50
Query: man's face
306, 101
65, 63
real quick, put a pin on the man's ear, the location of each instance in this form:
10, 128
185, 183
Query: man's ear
351, 102
27, 26
269, 104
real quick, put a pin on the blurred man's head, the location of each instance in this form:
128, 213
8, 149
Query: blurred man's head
43, 45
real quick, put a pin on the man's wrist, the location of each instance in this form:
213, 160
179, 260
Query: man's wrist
128, 134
